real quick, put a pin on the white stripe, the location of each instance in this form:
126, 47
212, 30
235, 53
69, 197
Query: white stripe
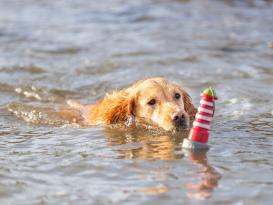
199, 124
201, 109
203, 117
206, 103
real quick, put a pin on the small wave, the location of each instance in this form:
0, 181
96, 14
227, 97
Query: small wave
237, 107
95, 68
59, 51
38, 94
32, 69
6, 88
263, 123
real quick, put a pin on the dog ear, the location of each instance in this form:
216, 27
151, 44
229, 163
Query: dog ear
132, 112
188, 105
121, 108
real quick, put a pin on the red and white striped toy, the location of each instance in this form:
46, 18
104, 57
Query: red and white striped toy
199, 133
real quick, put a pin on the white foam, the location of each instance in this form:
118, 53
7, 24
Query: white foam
243, 108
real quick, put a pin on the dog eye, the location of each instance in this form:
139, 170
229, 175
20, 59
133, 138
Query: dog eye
177, 96
152, 102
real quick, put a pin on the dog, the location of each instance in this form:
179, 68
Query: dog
154, 102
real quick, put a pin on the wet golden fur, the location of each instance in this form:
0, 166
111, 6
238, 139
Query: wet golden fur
131, 105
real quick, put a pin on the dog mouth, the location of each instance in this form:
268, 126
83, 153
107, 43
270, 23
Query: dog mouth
180, 126
180, 129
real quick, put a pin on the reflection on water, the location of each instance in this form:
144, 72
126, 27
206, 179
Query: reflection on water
139, 144
202, 189
144, 144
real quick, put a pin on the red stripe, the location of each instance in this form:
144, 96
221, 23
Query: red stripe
202, 121
206, 106
201, 129
205, 114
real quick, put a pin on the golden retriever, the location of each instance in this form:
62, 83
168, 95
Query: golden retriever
153, 101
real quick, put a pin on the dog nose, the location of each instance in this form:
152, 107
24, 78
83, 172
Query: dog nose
178, 118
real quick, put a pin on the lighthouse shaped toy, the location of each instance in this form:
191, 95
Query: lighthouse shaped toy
199, 134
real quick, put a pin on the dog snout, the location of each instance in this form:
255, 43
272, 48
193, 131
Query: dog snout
179, 119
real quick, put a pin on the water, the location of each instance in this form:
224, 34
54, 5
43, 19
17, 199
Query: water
57, 50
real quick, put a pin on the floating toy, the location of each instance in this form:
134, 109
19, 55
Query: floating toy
199, 133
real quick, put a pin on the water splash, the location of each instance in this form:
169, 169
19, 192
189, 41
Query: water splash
37, 115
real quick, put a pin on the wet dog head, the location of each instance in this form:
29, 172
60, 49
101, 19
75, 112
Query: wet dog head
158, 102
